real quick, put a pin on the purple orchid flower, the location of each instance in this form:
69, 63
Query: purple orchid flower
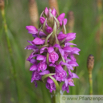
50, 85
52, 51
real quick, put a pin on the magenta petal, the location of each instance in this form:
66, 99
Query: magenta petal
65, 21
42, 66
38, 41
59, 68
32, 55
32, 61
53, 12
60, 50
40, 57
70, 36
50, 49
41, 34
42, 20
53, 57
62, 36
61, 17
52, 65
35, 76
68, 44
74, 75
66, 82
75, 50
32, 29
46, 11
29, 47
33, 67
50, 80
49, 29
67, 49
65, 88
30, 42
50, 85
44, 72
42, 49
57, 46
71, 84
72, 57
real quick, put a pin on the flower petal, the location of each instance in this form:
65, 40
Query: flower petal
70, 36
32, 29
65, 21
44, 72
53, 12
50, 49
62, 36
40, 57
46, 11
31, 47
42, 20
33, 67
38, 41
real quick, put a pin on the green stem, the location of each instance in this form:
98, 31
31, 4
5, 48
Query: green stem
90, 83
13, 70
56, 97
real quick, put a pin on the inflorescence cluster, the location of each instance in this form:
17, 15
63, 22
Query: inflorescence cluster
52, 52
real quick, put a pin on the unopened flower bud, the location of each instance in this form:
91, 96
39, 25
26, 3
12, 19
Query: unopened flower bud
46, 11
42, 20
54, 12
49, 29
90, 62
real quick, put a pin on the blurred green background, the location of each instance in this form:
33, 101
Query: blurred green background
89, 38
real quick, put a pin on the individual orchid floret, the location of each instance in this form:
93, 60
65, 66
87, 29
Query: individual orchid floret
52, 56
68, 82
60, 73
50, 85
42, 66
35, 76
